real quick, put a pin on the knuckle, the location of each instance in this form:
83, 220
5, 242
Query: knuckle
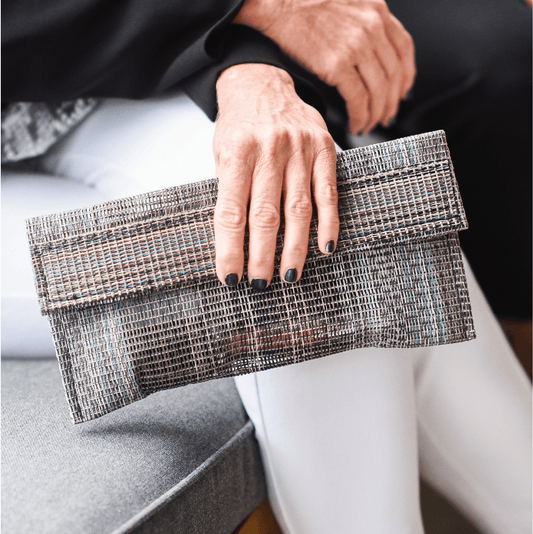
316, 117
300, 138
327, 193
360, 41
276, 133
241, 138
380, 7
264, 215
337, 66
299, 207
230, 216
326, 156
299, 250
274, 139
407, 44
397, 71
227, 162
375, 25
236, 145
324, 143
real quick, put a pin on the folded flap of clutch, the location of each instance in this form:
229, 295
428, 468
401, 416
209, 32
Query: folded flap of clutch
400, 191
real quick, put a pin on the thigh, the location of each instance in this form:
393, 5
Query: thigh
128, 147
338, 441
463, 40
474, 424
123, 148
25, 332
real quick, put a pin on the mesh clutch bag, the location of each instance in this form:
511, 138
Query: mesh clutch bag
134, 304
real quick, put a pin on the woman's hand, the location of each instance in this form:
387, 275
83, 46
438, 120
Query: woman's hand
357, 46
270, 148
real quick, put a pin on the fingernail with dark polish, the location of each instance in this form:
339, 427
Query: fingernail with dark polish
258, 284
232, 279
291, 275
330, 247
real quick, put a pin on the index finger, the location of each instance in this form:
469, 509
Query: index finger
230, 219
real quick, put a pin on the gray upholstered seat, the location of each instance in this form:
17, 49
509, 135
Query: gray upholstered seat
180, 461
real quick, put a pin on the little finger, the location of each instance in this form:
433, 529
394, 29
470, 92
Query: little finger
324, 182
405, 48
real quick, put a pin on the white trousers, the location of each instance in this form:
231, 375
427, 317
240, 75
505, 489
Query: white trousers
344, 438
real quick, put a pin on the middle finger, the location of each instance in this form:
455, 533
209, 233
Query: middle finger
263, 221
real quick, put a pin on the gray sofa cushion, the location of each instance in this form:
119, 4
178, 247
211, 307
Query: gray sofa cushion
180, 461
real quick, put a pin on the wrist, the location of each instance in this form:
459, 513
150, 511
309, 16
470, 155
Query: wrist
259, 14
252, 76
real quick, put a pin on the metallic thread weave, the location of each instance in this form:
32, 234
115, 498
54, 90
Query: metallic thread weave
135, 307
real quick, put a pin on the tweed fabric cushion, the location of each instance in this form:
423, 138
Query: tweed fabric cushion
29, 129
134, 304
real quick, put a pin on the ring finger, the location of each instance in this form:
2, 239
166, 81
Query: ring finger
298, 210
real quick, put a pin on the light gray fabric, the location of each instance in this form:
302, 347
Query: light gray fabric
27, 194
183, 460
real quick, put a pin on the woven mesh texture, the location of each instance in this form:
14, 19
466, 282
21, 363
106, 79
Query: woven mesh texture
135, 307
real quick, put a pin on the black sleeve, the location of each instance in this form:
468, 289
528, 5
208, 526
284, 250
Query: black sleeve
61, 50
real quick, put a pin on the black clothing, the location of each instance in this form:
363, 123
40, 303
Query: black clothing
61, 50
474, 81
